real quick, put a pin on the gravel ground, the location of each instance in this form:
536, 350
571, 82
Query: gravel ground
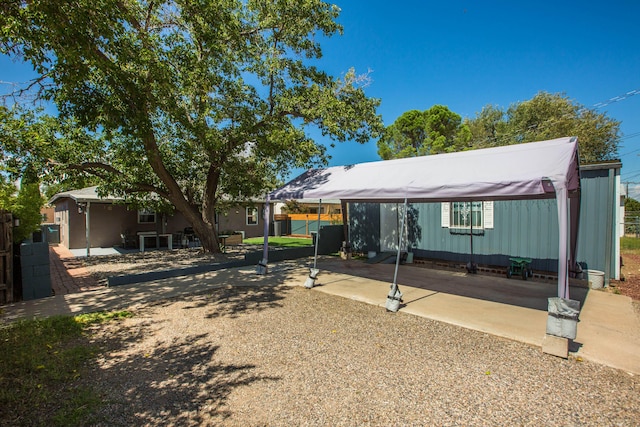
102, 267
293, 356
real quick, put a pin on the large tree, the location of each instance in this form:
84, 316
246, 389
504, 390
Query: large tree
547, 116
419, 133
194, 101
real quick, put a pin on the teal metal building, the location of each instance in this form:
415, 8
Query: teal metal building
489, 233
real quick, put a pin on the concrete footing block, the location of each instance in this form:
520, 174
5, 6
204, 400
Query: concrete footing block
556, 346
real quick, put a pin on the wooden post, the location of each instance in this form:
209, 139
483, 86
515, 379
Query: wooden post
6, 256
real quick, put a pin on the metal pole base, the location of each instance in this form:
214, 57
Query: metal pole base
393, 299
262, 267
313, 274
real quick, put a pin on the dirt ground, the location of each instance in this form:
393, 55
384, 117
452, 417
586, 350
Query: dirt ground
629, 284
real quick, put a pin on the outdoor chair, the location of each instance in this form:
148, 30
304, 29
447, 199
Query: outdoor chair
189, 236
129, 241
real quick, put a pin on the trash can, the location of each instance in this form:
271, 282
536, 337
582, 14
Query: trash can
51, 233
562, 320
596, 279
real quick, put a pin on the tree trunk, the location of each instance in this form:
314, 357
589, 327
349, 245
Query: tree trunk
208, 237
205, 230
203, 223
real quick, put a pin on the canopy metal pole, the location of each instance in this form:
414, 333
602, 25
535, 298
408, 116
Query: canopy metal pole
563, 250
87, 228
471, 267
313, 273
395, 296
315, 257
262, 265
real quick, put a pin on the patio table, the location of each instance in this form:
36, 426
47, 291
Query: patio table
145, 234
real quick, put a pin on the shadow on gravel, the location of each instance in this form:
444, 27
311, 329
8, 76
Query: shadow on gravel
232, 302
177, 382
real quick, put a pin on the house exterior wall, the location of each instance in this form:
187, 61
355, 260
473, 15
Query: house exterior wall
61, 217
364, 226
175, 223
514, 233
599, 238
107, 222
235, 219
522, 228
48, 214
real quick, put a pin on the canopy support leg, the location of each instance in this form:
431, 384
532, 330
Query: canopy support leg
313, 272
394, 298
262, 265
563, 247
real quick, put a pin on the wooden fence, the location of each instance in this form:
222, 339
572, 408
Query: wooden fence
305, 224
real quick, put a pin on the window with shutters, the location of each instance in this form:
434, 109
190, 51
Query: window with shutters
462, 215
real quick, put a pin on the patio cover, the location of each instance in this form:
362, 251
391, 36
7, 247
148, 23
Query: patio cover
544, 169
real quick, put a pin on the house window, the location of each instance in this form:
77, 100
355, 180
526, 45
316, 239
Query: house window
466, 214
252, 216
462, 215
146, 217
315, 210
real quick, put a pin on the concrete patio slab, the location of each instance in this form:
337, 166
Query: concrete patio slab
608, 330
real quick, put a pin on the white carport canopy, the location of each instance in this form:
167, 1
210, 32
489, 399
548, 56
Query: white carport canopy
544, 169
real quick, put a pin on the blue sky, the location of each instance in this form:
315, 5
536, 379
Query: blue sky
467, 54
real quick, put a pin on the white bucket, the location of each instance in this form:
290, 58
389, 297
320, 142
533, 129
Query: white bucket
596, 279
371, 254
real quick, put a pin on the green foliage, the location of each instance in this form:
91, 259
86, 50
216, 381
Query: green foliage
631, 206
7, 193
629, 243
41, 361
547, 116
631, 216
419, 133
101, 317
190, 101
27, 208
294, 207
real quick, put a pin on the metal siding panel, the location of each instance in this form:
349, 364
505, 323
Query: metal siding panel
526, 228
593, 219
364, 225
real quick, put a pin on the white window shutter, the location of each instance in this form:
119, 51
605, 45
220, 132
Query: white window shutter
445, 209
487, 214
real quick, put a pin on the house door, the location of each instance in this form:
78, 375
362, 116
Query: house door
390, 222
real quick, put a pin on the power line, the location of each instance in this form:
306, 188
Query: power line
632, 135
617, 99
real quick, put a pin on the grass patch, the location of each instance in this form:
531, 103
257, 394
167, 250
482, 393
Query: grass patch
40, 362
628, 243
288, 242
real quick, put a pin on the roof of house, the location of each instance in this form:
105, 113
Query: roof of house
316, 201
90, 194
84, 195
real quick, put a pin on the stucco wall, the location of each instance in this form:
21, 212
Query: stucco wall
108, 221
235, 219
